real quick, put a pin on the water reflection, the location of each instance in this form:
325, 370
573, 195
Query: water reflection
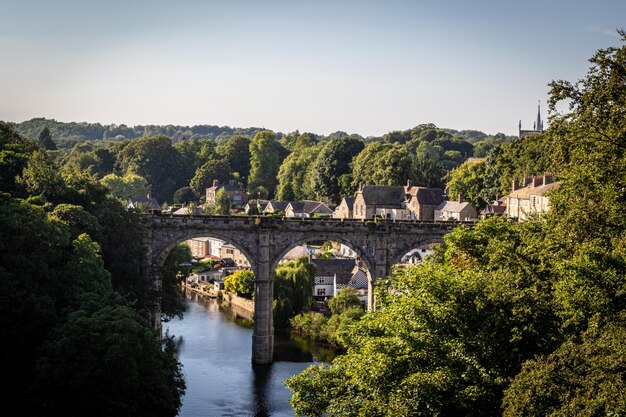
221, 380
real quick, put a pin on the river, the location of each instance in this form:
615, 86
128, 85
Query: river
215, 350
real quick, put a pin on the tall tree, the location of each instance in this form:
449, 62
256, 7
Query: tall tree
332, 162
213, 169
266, 155
236, 151
45, 139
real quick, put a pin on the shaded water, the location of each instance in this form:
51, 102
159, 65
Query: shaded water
216, 349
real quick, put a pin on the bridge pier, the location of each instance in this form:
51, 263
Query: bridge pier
263, 329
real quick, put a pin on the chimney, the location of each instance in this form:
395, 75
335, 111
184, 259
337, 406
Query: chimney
547, 179
216, 183
408, 184
231, 182
537, 181
149, 194
515, 185
460, 197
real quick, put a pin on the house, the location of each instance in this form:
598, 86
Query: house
529, 196
373, 200
497, 208
229, 251
344, 209
416, 255
422, 201
329, 272
298, 252
188, 210
258, 204
143, 203
358, 280
455, 210
205, 247
307, 208
235, 194
276, 207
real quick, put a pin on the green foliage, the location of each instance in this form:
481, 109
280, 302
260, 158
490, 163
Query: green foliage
41, 177
468, 179
380, 164
236, 152
213, 169
240, 282
295, 181
331, 163
581, 378
129, 186
45, 140
104, 361
172, 274
293, 290
222, 202
266, 155
345, 299
184, 195
154, 159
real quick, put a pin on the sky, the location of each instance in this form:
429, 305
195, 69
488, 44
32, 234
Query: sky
366, 67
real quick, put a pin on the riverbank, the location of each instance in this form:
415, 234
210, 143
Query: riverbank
239, 306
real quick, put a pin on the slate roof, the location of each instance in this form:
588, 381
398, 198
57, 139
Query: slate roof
383, 195
133, 202
452, 206
427, 196
349, 202
277, 205
343, 268
309, 206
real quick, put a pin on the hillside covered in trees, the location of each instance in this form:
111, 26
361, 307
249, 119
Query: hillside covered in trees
508, 318
179, 163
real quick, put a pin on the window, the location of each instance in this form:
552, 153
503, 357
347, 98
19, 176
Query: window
321, 291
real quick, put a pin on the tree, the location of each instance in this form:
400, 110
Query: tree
380, 164
184, 195
293, 289
154, 159
468, 180
266, 155
332, 162
294, 174
236, 151
240, 282
213, 169
346, 298
41, 177
105, 361
172, 274
222, 202
129, 186
45, 139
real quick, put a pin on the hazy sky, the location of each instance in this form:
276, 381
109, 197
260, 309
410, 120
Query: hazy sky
363, 67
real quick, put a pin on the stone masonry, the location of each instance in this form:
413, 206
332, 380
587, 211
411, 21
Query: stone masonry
265, 240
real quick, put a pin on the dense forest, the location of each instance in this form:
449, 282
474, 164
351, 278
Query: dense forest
77, 310
508, 318
294, 166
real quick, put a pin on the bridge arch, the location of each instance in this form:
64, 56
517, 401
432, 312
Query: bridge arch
168, 245
403, 250
285, 248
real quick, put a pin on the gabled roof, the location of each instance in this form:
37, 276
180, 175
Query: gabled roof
308, 207
529, 190
276, 206
151, 201
343, 268
185, 210
227, 187
349, 202
383, 195
453, 206
426, 196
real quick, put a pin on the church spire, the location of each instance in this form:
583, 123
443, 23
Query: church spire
539, 122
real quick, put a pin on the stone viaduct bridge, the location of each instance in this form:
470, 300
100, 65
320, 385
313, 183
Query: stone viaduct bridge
265, 240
